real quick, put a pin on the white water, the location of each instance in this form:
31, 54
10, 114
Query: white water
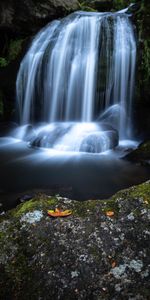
78, 76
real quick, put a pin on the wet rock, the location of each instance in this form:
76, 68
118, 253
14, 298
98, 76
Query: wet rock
27, 16
19, 21
141, 154
99, 142
25, 133
29, 133
111, 116
47, 138
99, 5
87, 255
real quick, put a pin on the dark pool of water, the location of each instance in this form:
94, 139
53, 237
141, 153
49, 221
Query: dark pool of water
80, 177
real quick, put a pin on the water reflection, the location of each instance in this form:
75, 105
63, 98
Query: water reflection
79, 176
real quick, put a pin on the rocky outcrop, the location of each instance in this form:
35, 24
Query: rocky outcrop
141, 154
101, 251
27, 16
142, 95
19, 21
99, 5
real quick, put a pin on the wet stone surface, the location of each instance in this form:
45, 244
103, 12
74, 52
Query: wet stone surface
87, 255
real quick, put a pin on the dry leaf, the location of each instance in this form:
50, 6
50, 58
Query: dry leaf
146, 202
59, 213
113, 264
110, 213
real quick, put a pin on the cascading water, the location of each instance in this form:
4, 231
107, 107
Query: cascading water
78, 78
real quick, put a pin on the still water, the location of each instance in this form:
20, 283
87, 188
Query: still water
75, 175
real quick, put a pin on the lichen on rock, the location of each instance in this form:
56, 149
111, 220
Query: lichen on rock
32, 217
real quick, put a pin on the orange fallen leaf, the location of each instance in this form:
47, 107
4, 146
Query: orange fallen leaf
113, 264
110, 213
146, 202
59, 213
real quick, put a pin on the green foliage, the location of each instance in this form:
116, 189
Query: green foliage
83, 6
143, 28
146, 59
3, 62
120, 4
14, 49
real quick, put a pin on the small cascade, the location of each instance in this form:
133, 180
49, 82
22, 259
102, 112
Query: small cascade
77, 80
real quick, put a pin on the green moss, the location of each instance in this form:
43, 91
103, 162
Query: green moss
79, 209
41, 202
118, 4
139, 191
144, 149
84, 7
14, 49
146, 59
3, 62
83, 208
2, 235
110, 205
142, 190
141, 154
143, 28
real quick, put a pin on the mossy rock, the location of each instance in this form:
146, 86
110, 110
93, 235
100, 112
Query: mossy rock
141, 154
14, 50
87, 255
100, 5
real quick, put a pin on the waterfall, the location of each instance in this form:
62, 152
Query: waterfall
78, 78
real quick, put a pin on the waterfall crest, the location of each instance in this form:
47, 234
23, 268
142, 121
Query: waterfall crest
80, 70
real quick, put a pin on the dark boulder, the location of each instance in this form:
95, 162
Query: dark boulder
99, 142
46, 138
111, 116
141, 154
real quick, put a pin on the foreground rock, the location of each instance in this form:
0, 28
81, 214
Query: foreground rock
87, 255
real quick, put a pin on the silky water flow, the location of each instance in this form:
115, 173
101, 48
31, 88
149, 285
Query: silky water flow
75, 84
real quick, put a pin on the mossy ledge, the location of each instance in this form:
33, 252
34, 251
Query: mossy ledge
141, 154
87, 255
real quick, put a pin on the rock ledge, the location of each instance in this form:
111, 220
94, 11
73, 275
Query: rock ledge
87, 255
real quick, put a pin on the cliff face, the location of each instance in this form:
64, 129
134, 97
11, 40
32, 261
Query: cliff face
143, 67
20, 20
27, 16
